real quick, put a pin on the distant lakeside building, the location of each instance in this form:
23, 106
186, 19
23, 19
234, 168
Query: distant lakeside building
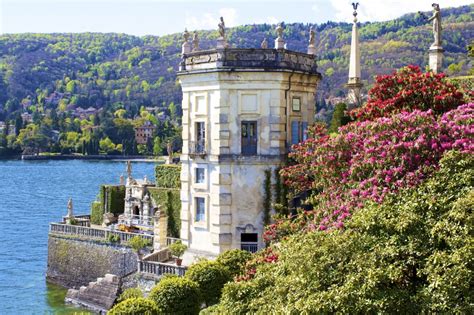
144, 132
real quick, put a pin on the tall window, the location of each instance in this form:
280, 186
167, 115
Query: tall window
249, 138
200, 144
200, 175
200, 209
299, 132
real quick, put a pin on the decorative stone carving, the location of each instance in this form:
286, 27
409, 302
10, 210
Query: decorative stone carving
437, 28
129, 169
312, 41
222, 40
122, 181
70, 213
279, 41
436, 51
195, 41
264, 44
186, 47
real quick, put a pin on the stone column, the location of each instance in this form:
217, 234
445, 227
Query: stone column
160, 229
436, 54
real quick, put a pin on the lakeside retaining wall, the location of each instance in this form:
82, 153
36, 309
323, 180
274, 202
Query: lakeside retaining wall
73, 263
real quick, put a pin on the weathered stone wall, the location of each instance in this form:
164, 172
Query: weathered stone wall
73, 263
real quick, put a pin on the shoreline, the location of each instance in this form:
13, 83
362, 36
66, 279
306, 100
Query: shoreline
135, 158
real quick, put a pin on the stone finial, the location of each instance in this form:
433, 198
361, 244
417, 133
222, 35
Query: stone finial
70, 213
195, 41
122, 181
312, 41
279, 41
264, 44
186, 47
145, 179
355, 6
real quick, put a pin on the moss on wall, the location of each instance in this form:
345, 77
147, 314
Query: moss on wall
169, 200
168, 176
72, 263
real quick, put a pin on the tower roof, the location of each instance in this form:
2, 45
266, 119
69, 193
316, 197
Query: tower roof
248, 59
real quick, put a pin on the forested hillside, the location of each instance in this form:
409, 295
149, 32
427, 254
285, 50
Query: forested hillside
121, 70
122, 74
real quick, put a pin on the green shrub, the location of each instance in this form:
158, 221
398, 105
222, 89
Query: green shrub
168, 176
135, 306
176, 295
130, 293
411, 254
137, 243
210, 277
113, 238
234, 260
177, 249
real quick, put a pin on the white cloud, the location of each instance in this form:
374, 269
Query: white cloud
268, 20
377, 10
210, 20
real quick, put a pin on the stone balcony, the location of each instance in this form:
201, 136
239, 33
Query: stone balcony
248, 59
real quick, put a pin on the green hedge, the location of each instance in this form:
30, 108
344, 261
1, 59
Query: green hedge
168, 176
97, 212
169, 200
115, 202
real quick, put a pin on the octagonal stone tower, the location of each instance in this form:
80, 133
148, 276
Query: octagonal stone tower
242, 111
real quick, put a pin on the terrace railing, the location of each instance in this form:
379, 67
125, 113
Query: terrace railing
250, 247
159, 269
94, 233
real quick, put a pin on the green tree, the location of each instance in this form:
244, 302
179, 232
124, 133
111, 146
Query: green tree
411, 254
106, 145
339, 118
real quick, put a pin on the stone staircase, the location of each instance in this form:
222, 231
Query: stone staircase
98, 296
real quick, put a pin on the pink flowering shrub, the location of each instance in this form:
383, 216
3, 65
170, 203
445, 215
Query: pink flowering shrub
368, 160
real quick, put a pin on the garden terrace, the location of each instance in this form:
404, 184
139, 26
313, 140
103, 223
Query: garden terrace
93, 233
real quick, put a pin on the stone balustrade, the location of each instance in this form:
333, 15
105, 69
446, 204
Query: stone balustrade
158, 256
93, 233
159, 269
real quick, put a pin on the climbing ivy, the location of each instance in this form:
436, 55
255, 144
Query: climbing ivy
267, 197
168, 176
169, 200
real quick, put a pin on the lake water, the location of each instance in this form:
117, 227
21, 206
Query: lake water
32, 194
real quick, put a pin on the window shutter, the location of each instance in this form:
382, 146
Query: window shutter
294, 132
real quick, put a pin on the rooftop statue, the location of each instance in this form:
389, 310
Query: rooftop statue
221, 26
195, 41
264, 44
185, 35
279, 31
312, 40
436, 19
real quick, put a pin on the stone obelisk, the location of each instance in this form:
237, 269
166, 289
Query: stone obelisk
354, 85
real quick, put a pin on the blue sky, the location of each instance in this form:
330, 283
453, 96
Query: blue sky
160, 17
